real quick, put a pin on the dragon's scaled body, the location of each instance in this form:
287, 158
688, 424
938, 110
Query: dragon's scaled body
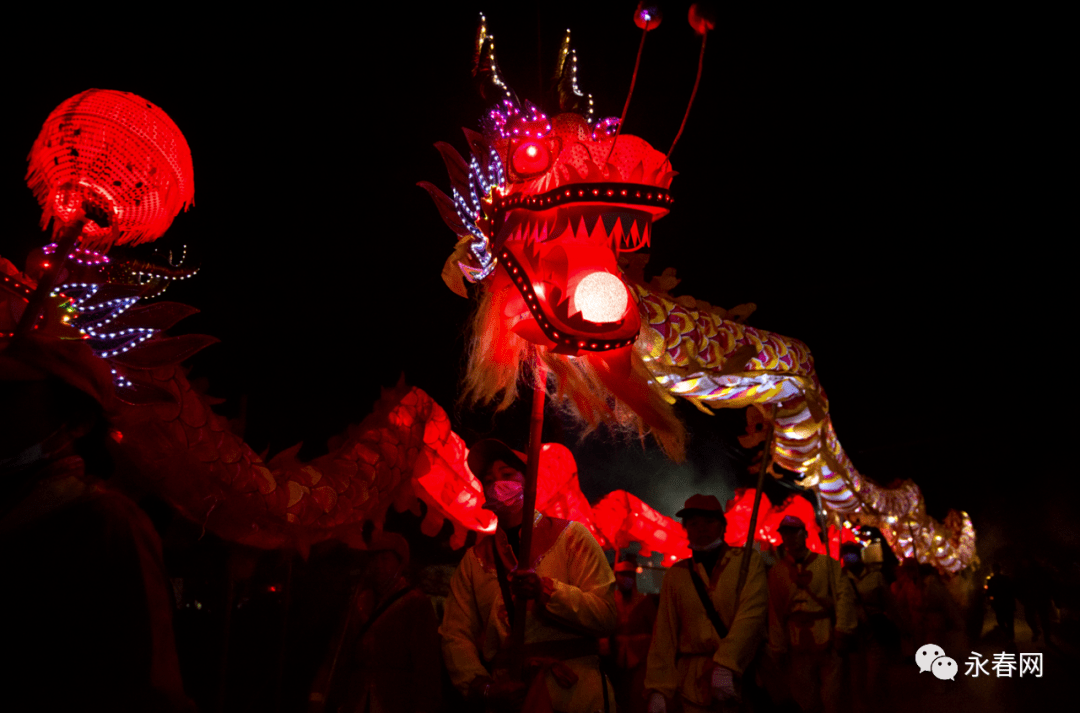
402, 454
699, 356
170, 442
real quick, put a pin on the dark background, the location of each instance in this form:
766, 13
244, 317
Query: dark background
877, 185
868, 182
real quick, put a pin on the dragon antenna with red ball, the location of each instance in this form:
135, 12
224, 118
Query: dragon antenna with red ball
118, 156
702, 19
647, 17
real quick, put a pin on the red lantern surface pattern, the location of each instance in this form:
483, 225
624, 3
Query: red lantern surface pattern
121, 154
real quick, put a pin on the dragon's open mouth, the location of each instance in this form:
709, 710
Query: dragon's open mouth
570, 296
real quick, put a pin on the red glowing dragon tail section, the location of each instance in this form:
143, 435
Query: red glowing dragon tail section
558, 492
738, 512
623, 518
402, 453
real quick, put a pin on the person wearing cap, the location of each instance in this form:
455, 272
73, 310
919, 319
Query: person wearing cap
386, 657
626, 652
566, 586
811, 619
867, 663
690, 662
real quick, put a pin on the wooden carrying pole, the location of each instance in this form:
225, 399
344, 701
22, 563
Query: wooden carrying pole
823, 524
524, 558
744, 566
65, 244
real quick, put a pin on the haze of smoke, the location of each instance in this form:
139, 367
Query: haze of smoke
648, 474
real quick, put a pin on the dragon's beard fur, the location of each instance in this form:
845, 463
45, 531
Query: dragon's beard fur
499, 360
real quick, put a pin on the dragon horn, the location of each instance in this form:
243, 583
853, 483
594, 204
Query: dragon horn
478, 46
488, 76
564, 54
570, 97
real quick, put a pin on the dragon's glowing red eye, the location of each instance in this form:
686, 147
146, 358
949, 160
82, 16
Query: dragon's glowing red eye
531, 158
601, 297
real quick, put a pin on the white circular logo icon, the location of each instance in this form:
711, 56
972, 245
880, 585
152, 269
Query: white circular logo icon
925, 656
944, 668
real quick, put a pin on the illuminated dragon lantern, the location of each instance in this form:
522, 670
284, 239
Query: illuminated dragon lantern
543, 207
110, 168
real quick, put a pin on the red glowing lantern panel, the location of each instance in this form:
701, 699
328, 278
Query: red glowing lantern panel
601, 297
623, 518
118, 153
769, 518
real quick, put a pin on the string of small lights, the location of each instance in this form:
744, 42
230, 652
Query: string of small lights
489, 179
89, 317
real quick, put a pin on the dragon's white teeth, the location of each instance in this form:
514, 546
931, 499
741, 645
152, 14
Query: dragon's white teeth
582, 230
628, 231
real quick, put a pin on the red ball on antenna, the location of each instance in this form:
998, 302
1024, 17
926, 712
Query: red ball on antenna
647, 16
118, 156
702, 18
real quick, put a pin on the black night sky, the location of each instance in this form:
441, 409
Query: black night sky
866, 184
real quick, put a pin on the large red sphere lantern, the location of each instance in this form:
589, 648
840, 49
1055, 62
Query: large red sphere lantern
116, 157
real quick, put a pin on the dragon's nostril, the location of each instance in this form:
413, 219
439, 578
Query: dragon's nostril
601, 297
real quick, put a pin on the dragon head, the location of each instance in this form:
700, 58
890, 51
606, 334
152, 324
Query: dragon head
573, 198
543, 207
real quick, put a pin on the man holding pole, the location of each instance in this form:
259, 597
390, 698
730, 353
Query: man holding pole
811, 619
566, 591
708, 628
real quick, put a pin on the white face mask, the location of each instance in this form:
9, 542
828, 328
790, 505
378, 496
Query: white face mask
709, 547
504, 497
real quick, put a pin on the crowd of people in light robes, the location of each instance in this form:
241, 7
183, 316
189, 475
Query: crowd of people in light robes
730, 629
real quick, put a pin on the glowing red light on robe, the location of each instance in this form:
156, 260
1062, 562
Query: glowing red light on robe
121, 154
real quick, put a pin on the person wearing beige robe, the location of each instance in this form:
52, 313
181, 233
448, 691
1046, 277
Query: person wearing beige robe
568, 588
687, 656
812, 620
